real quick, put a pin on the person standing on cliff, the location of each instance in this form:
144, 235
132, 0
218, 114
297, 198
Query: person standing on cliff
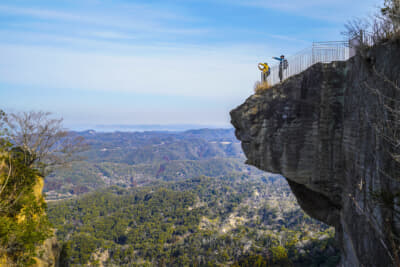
266, 71
282, 65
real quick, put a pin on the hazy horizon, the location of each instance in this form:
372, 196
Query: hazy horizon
146, 127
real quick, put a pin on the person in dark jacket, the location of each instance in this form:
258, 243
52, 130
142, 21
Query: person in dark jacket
281, 66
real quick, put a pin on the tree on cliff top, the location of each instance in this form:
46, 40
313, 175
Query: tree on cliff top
383, 26
391, 11
23, 222
31, 145
45, 143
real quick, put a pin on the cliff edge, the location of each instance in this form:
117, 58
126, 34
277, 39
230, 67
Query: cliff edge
329, 130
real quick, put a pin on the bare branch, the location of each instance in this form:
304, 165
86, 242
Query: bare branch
44, 141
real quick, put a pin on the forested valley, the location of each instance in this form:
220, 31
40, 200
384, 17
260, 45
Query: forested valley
179, 199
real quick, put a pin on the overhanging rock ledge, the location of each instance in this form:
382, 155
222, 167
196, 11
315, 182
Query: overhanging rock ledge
319, 130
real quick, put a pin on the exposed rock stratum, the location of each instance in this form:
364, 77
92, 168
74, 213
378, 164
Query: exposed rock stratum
329, 132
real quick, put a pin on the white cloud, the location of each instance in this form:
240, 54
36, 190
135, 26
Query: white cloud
219, 77
111, 35
328, 10
221, 72
136, 18
47, 14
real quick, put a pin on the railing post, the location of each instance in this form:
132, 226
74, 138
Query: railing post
312, 54
353, 45
361, 37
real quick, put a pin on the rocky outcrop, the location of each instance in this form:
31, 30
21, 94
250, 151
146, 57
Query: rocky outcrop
326, 130
24, 220
50, 256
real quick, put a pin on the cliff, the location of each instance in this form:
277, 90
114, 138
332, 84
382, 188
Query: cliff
332, 132
25, 235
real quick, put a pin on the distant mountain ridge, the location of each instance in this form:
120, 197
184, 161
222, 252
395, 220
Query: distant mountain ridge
145, 127
136, 158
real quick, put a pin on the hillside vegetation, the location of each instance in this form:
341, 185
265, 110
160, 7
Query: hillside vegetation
24, 225
197, 222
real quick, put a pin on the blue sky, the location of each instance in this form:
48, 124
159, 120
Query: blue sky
152, 62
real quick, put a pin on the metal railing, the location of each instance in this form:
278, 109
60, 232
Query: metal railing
324, 52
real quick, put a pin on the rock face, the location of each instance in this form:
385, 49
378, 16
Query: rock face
326, 130
48, 252
51, 253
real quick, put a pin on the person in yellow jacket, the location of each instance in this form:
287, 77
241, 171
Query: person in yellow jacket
266, 71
